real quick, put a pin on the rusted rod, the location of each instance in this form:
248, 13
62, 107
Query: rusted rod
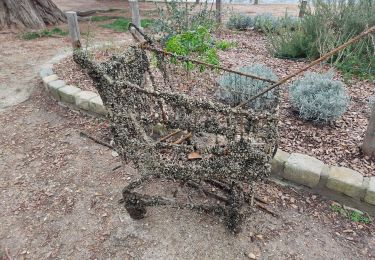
313, 63
183, 58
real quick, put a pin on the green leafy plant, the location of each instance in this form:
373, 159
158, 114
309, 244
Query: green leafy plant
353, 215
240, 21
235, 88
199, 42
318, 97
330, 24
43, 33
225, 45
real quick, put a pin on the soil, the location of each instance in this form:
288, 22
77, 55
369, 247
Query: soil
59, 195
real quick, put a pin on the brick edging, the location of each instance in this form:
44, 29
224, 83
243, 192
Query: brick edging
296, 168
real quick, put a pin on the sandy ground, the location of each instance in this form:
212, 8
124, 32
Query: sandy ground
59, 195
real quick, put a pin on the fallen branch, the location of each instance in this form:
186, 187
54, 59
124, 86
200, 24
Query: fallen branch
264, 208
116, 167
183, 138
208, 193
96, 140
169, 135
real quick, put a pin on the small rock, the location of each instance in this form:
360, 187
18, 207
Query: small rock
251, 256
114, 153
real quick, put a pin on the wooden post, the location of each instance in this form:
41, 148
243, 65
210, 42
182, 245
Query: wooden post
74, 29
368, 146
218, 11
135, 13
302, 10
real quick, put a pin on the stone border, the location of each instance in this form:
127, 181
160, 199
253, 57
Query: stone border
72, 96
297, 168
339, 183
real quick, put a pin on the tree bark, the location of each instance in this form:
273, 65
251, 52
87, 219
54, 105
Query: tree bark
218, 11
368, 146
33, 14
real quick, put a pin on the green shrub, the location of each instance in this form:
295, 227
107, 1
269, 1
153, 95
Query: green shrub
331, 23
289, 44
240, 22
268, 23
265, 22
235, 88
225, 45
199, 42
318, 97
177, 17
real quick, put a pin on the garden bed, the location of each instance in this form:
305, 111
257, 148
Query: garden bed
337, 143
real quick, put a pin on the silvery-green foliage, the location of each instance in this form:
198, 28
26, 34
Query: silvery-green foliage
235, 88
240, 22
319, 97
266, 22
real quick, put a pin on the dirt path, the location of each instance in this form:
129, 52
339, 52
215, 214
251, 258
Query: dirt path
59, 193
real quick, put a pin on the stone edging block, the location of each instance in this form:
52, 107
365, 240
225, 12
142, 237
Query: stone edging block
48, 79
69, 94
97, 106
54, 87
311, 172
346, 181
83, 99
370, 192
278, 162
303, 169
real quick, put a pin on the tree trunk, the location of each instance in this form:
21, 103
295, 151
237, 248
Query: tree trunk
218, 11
368, 146
29, 14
